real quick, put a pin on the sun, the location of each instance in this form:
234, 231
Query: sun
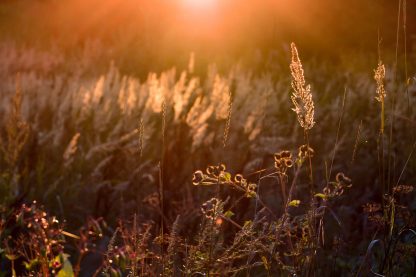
200, 4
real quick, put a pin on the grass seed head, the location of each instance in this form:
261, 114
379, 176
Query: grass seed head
379, 76
301, 96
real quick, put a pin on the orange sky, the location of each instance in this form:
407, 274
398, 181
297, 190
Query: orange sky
209, 23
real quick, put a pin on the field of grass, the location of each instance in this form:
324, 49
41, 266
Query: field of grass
289, 165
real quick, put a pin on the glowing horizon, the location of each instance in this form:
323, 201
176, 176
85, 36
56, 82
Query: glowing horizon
200, 5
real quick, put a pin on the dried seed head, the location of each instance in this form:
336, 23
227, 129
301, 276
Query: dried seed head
212, 208
216, 171
305, 151
379, 75
282, 161
286, 154
403, 189
71, 149
278, 163
277, 156
288, 163
239, 178
371, 207
140, 130
198, 178
343, 180
301, 96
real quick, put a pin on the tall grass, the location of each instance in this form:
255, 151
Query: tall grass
119, 146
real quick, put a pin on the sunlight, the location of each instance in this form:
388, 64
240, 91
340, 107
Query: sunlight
200, 4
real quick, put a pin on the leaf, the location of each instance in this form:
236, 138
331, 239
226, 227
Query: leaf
265, 262
251, 194
226, 176
294, 203
321, 195
31, 264
66, 270
247, 223
370, 249
228, 214
12, 257
392, 217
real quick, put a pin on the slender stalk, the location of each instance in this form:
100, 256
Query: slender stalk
405, 55
311, 185
393, 105
337, 136
161, 187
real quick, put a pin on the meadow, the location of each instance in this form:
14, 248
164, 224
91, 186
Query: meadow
279, 165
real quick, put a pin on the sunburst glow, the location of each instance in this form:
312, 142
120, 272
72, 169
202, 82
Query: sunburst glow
200, 4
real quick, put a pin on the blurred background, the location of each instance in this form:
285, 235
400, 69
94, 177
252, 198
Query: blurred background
152, 35
86, 66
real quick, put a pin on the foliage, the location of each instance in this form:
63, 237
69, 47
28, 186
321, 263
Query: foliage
124, 150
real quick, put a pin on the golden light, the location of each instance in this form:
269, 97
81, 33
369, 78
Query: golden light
200, 4
201, 21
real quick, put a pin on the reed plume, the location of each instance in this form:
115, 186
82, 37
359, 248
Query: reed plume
379, 76
228, 122
301, 96
70, 150
140, 130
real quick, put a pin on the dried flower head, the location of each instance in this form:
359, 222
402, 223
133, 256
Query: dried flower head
198, 178
301, 96
216, 170
337, 188
304, 152
403, 189
282, 161
212, 208
379, 75
343, 180
242, 183
216, 175
372, 207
